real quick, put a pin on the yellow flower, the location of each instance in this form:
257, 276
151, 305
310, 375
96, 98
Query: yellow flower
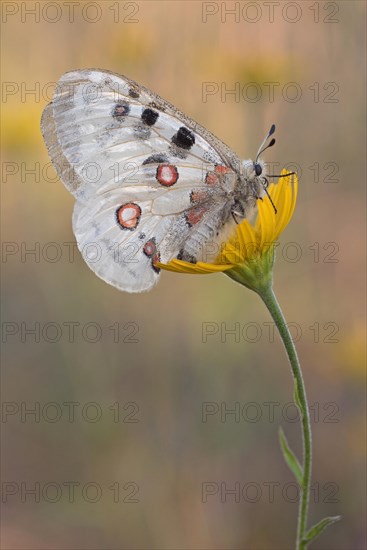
248, 255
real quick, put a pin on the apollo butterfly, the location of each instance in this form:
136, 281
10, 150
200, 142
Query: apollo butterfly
150, 184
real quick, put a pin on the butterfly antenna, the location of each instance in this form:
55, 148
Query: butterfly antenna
281, 175
262, 148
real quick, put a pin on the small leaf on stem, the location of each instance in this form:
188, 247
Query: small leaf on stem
290, 458
317, 529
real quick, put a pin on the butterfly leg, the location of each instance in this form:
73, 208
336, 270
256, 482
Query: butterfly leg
233, 214
186, 257
237, 210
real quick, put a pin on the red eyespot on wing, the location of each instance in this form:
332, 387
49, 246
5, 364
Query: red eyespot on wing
198, 196
156, 258
167, 174
194, 215
128, 215
220, 169
150, 248
211, 178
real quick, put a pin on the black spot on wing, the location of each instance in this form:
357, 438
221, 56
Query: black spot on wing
184, 138
120, 110
149, 116
134, 92
156, 159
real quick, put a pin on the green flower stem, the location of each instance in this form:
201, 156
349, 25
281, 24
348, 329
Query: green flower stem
269, 299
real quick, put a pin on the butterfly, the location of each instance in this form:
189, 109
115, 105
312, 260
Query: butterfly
150, 183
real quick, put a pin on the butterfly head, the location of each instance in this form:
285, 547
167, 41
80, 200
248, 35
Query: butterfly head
258, 168
254, 169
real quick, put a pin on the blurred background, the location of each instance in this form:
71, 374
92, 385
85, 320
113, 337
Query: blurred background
132, 443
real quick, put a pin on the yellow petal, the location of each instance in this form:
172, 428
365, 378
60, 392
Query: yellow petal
267, 222
294, 196
282, 214
230, 253
248, 240
200, 268
289, 193
274, 191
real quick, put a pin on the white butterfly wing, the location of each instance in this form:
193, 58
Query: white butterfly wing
138, 168
123, 258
